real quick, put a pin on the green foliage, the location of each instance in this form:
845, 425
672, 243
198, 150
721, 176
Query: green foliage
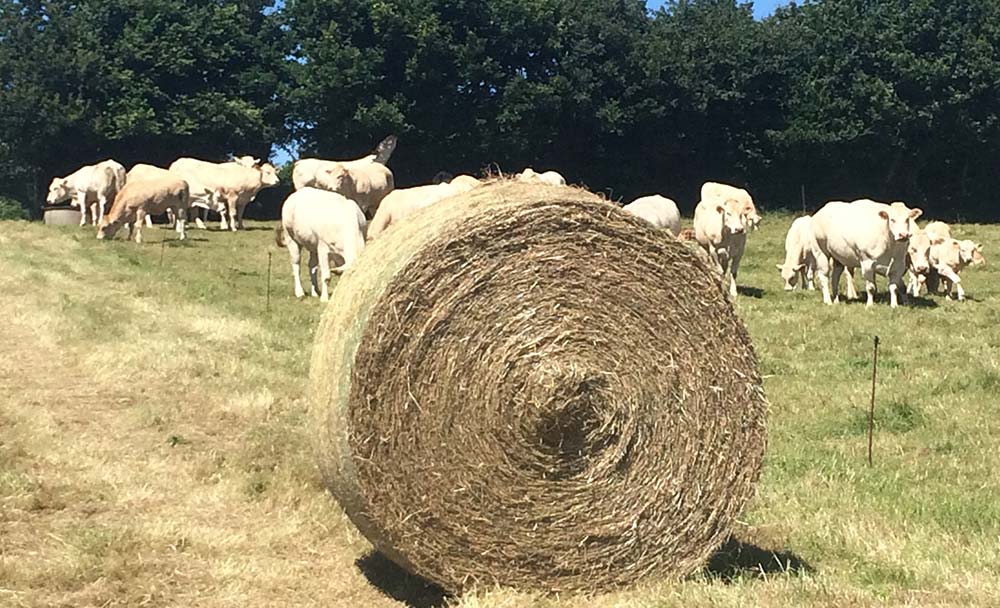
11, 209
137, 80
891, 99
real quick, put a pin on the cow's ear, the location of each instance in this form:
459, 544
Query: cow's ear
747, 208
883, 215
799, 267
979, 247
720, 209
915, 213
780, 266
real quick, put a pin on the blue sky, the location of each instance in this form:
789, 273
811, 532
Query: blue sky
761, 8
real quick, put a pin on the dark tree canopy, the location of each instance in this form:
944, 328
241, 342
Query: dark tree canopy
893, 99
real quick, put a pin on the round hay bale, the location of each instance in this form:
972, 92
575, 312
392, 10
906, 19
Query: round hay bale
525, 386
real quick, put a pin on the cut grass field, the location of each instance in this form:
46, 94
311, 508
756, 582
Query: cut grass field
155, 449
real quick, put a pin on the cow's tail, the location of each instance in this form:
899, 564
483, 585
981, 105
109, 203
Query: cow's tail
280, 235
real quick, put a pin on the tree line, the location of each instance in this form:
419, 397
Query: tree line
828, 99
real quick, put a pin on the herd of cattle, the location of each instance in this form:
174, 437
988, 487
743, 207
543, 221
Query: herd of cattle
337, 205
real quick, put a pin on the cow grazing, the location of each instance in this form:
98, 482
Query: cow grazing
799, 262
658, 210
91, 187
720, 229
714, 191
144, 197
235, 185
404, 202
552, 178
325, 224
947, 259
866, 234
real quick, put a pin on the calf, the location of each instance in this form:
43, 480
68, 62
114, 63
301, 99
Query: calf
948, 258
140, 198
552, 178
799, 260
326, 224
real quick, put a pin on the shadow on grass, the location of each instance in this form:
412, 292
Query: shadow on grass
399, 584
750, 292
739, 560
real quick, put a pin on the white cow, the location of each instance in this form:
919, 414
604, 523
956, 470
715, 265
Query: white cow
404, 202
139, 198
551, 178
235, 185
866, 234
326, 224
92, 187
658, 210
720, 229
799, 261
948, 258
918, 261
715, 191
937, 231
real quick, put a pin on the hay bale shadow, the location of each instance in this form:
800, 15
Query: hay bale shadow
740, 560
400, 585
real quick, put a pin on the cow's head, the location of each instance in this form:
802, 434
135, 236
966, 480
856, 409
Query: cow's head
901, 220
733, 214
268, 175
338, 179
109, 227
919, 250
971, 253
59, 191
790, 274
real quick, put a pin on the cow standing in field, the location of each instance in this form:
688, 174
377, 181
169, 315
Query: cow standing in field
235, 185
144, 197
866, 234
658, 210
91, 187
404, 202
720, 227
326, 224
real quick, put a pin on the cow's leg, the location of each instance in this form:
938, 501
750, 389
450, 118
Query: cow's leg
180, 221
323, 251
295, 253
101, 202
200, 215
734, 269
852, 291
140, 219
80, 200
952, 279
232, 207
868, 272
838, 270
239, 215
313, 272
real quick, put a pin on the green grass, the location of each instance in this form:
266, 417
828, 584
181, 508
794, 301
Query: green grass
154, 445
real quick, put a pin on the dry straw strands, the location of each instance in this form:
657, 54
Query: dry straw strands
525, 386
